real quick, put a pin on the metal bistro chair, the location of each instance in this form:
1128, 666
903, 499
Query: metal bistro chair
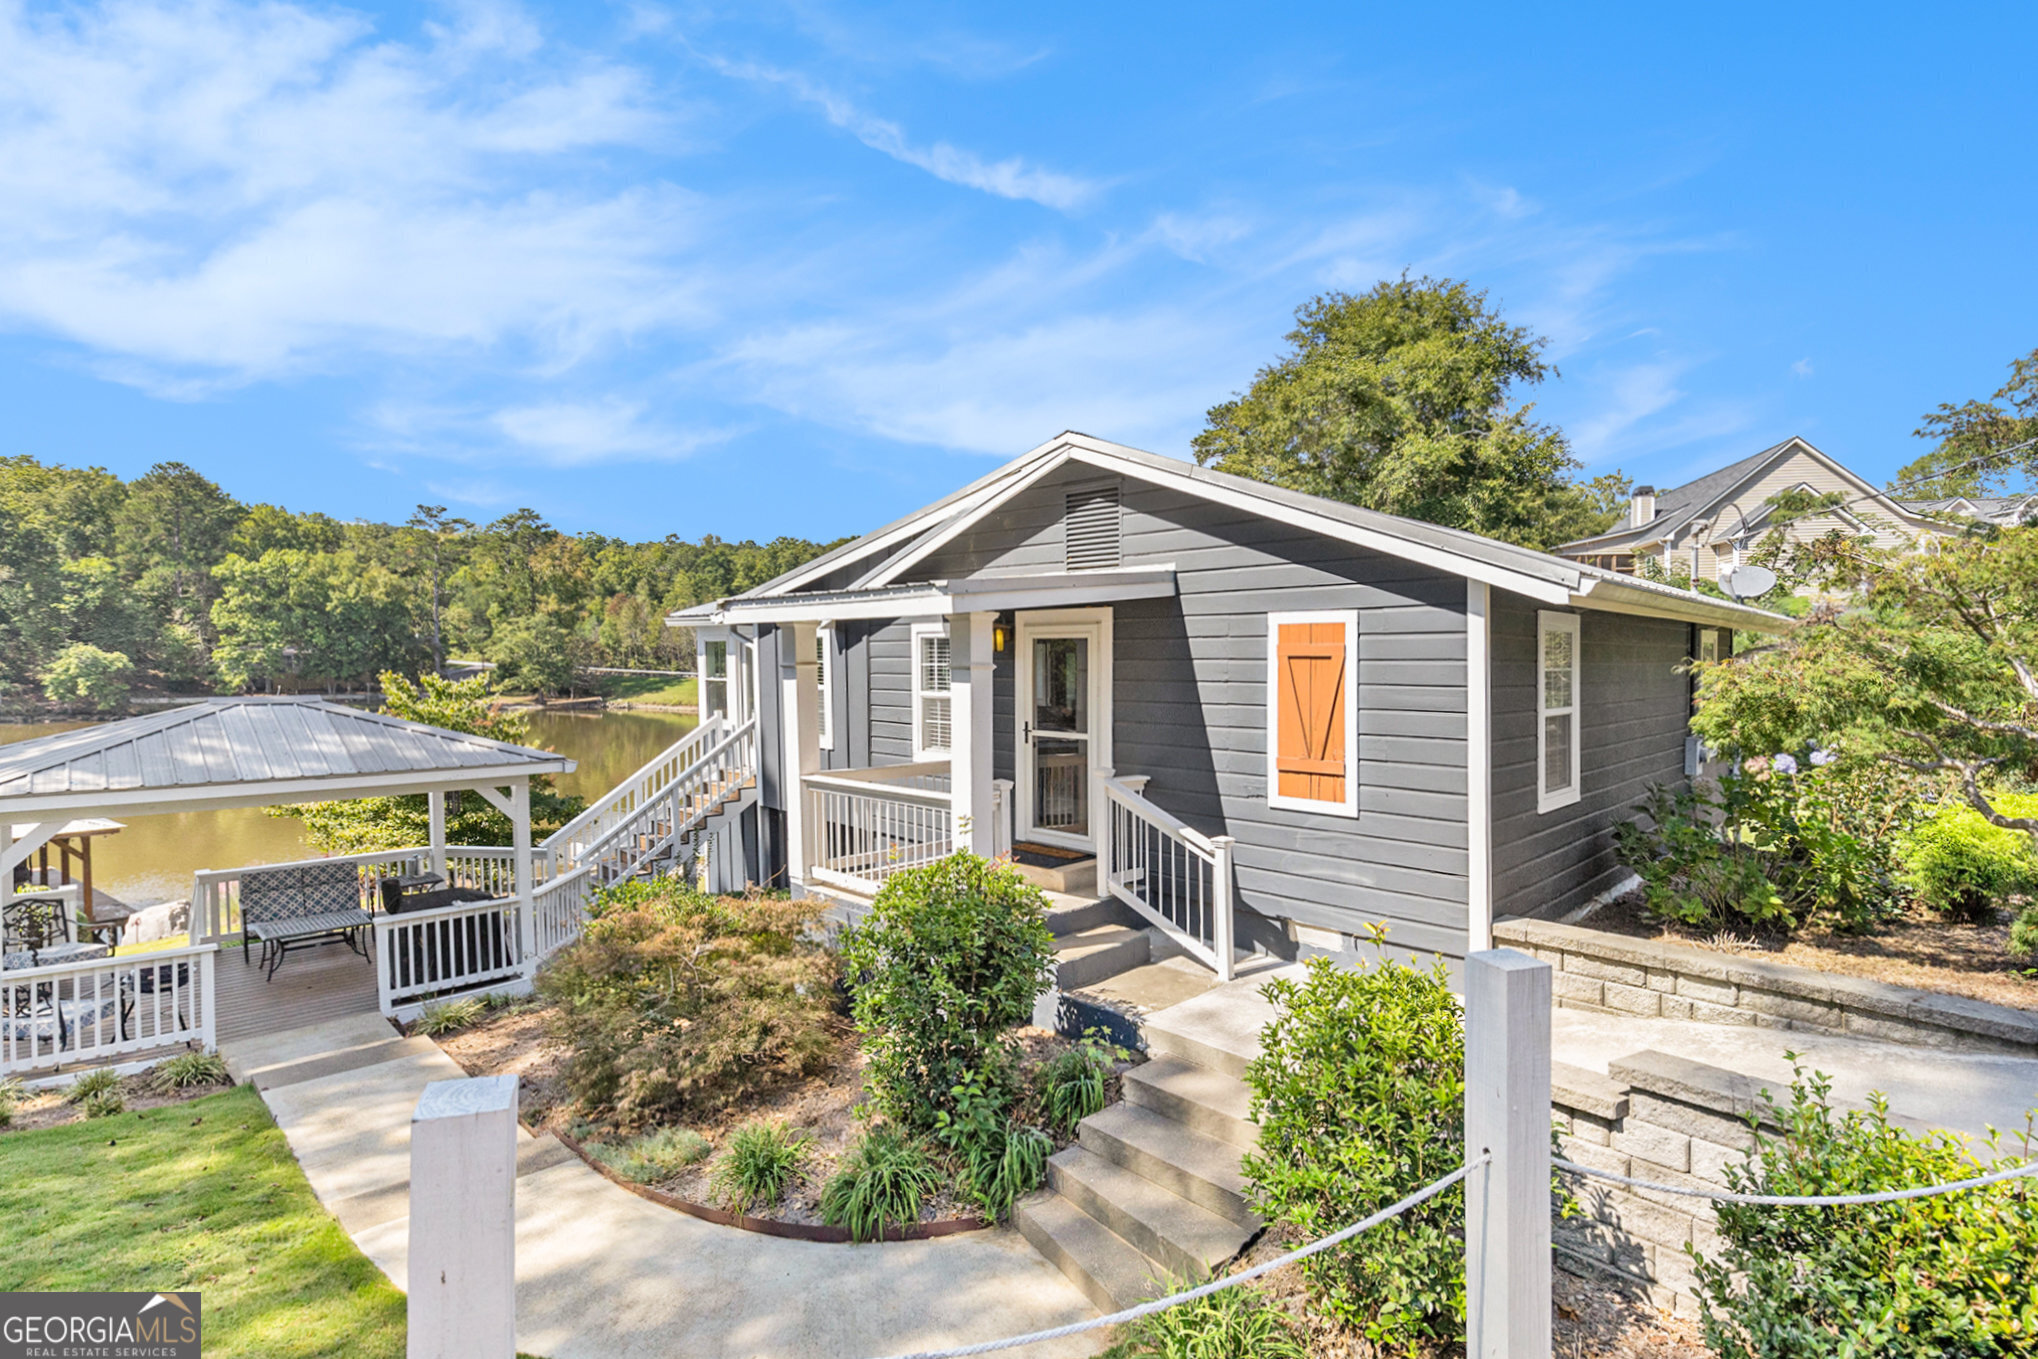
29, 928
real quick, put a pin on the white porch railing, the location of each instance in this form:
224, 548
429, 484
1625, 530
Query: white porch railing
568, 846
420, 954
216, 892
1176, 877
100, 1010
864, 825
561, 907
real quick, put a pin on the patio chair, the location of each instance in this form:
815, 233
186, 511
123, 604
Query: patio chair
285, 909
31, 924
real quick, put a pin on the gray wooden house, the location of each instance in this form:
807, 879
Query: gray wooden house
1264, 720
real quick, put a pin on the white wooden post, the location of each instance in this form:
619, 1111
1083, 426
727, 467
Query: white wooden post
435, 810
527, 908
1002, 809
969, 754
463, 1220
1100, 825
1223, 941
1507, 1116
799, 715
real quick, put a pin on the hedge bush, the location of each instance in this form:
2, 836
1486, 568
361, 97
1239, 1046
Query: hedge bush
946, 965
1961, 864
673, 1002
1359, 1092
1948, 1275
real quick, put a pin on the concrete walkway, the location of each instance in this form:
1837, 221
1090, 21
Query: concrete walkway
603, 1274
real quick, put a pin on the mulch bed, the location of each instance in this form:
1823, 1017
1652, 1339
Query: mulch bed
828, 1107
46, 1108
1915, 949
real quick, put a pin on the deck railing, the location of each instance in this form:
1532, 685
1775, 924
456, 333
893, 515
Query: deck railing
719, 771
1174, 876
864, 825
100, 1010
421, 954
561, 908
216, 892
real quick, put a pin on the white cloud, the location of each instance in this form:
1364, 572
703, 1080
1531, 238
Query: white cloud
213, 192
573, 434
1631, 396
1013, 177
1802, 368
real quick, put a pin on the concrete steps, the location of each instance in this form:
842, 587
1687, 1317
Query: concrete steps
1092, 955
1152, 1190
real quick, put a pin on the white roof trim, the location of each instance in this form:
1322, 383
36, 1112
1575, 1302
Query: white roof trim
946, 598
890, 571
218, 796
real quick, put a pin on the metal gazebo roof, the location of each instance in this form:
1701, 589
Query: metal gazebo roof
236, 752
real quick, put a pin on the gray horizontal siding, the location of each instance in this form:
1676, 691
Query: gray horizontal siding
1189, 694
1634, 706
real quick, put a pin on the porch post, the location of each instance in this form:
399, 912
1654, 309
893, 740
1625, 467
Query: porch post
527, 914
435, 808
969, 754
799, 715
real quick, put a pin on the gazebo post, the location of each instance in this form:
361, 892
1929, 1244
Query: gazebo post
435, 808
520, 820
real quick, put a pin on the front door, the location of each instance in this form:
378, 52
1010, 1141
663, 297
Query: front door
1063, 690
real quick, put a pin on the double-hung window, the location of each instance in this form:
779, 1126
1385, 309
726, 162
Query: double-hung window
824, 671
714, 668
933, 724
1312, 712
1556, 710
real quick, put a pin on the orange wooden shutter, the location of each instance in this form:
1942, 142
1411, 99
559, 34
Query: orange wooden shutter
1309, 762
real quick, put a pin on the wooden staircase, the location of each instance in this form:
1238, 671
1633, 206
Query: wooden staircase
657, 817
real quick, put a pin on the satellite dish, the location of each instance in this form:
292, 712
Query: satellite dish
1745, 582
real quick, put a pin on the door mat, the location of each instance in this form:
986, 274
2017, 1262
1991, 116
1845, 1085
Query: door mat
1048, 856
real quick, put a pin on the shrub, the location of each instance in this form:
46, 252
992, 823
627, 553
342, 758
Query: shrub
674, 1002
1961, 864
84, 676
653, 1156
1072, 1085
948, 962
1768, 848
91, 1084
761, 1159
1234, 1324
1930, 1277
188, 1070
1359, 1092
104, 1103
999, 1159
449, 1016
11, 1095
2024, 933
880, 1184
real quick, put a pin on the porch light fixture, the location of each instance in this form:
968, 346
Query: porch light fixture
998, 637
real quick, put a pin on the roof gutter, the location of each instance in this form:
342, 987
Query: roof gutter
1623, 597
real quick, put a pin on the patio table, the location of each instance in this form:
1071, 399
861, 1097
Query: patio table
55, 953
27, 1007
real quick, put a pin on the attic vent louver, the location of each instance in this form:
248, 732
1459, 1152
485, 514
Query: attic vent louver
1091, 533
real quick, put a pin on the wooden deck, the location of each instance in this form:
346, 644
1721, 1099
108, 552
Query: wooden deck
312, 986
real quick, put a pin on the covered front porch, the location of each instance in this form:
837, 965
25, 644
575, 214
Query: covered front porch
907, 723
484, 917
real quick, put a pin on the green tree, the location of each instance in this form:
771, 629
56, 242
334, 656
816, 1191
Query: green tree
172, 528
83, 676
532, 655
1399, 399
399, 822
1983, 447
310, 619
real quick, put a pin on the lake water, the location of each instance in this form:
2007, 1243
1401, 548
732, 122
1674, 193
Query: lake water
154, 858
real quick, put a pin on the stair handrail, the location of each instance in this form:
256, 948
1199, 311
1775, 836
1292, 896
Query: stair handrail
1214, 850
593, 848
595, 810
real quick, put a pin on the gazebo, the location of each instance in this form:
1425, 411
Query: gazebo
242, 752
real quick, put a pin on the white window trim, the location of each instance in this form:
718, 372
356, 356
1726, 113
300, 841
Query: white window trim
1350, 805
921, 750
703, 639
1547, 623
824, 682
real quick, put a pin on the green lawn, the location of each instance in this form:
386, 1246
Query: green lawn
202, 1195
648, 689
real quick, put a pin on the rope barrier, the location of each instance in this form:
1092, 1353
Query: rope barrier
1146, 1309
1802, 1200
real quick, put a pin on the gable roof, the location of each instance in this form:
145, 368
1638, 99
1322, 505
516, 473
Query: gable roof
1681, 505
268, 748
893, 551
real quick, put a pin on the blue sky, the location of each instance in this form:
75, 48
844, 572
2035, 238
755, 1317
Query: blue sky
786, 269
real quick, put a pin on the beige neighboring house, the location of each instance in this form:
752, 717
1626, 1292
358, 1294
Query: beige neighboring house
1711, 525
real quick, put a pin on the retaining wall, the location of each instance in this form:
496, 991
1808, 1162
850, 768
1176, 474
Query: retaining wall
1619, 974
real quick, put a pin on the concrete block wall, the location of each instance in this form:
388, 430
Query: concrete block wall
1619, 974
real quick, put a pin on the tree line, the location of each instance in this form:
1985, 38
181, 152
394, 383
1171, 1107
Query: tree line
166, 582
